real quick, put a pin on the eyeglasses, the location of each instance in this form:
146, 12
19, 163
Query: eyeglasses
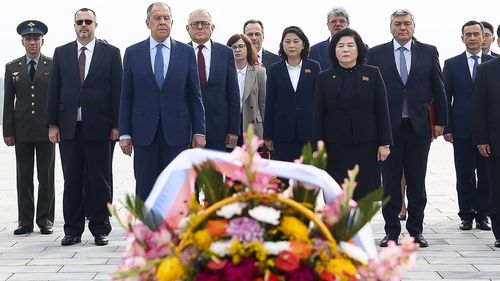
196, 24
252, 34
87, 22
239, 46
159, 18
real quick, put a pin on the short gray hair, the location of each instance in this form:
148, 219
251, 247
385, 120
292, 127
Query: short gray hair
150, 7
402, 13
337, 11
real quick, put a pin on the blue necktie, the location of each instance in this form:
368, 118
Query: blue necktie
474, 67
158, 70
403, 72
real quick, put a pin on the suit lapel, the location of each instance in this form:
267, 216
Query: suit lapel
464, 68
23, 70
146, 58
95, 63
42, 67
213, 57
302, 75
72, 60
285, 76
390, 55
250, 78
414, 60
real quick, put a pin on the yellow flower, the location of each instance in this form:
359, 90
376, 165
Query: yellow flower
294, 229
202, 240
170, 269
341, 267
237, 251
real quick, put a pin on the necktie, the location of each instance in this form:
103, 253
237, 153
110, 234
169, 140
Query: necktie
32, 69
474, 67
158, 70
81, 64
201, 66
403, 72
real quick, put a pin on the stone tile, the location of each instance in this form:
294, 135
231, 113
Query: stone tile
95, 261
475, 261
51, 276
469, 275
25, 269
495, 266
412, 275
86, 268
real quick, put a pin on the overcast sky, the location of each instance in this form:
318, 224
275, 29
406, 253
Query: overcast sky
122, 23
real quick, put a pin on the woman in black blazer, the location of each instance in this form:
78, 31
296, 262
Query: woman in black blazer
289, 97
351, 114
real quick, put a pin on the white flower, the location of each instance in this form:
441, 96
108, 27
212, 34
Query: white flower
184, 222
354, 252
221, 248
265, 214
274, 248
230, 210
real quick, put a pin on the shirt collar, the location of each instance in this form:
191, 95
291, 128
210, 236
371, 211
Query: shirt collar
294, 67
243, 70
152, 43
90, 46
28, 59
470, 55
207, 44
396, 45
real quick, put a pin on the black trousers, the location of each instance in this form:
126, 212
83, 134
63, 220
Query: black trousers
25, 159
494, 166
410, 151
472, 195
87, 183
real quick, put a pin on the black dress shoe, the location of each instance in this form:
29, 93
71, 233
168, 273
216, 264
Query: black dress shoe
482, 224
101, 240
70, 240
419, 238
46, 229
385, 241
497, 243
465, 225
23, 230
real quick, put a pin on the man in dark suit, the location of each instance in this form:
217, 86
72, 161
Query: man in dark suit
487, 132
336, 20
254, 29
82, 114
489, 37
218, 81
161, 102
26, 82
413, 78
459, 73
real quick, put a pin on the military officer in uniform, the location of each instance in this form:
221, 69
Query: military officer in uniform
26, 82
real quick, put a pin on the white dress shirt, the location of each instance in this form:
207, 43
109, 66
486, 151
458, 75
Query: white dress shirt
241, 82
470, 60
294, 73
89, 51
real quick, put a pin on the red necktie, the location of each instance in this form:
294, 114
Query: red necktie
201, 66
81, 64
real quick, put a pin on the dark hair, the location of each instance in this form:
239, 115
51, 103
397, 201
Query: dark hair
472, 22
251, 52
296, 30
347, 32
498, 31
253, 21
150, 7
488, 26
85, 10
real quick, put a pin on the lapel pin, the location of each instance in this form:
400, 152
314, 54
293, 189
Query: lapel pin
334, 76
365, 78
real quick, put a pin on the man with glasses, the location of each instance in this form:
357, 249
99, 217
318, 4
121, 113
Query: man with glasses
336, 20
413, 79
82, 115
161, 101
26, 82
218, 81
254, 29
489, 37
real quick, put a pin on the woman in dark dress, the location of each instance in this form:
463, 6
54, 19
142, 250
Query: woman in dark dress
289, 97
351, 114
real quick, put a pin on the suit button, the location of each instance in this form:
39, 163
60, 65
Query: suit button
32, 95
33, 112
33, 104
32, 87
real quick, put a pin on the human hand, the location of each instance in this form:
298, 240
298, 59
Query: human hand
383, 152
199, 141
126, 146
10, 141
484, 150
54, 134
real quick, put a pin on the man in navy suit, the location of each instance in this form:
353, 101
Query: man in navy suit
487, 132
336, 20
218, 80
82, 115
254, 29
161, 101
413, 78
459, 74
489, 37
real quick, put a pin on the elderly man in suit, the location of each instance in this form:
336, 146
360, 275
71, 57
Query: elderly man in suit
26, 82
336, 20
459, 74
218, 81
413, 78
161, 102
82, 115
487, 132
254, 29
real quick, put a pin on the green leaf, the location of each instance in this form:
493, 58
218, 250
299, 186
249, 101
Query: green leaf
211, 183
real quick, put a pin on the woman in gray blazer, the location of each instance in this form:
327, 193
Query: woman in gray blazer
252, 83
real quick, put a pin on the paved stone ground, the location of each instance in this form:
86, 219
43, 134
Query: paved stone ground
452, 254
